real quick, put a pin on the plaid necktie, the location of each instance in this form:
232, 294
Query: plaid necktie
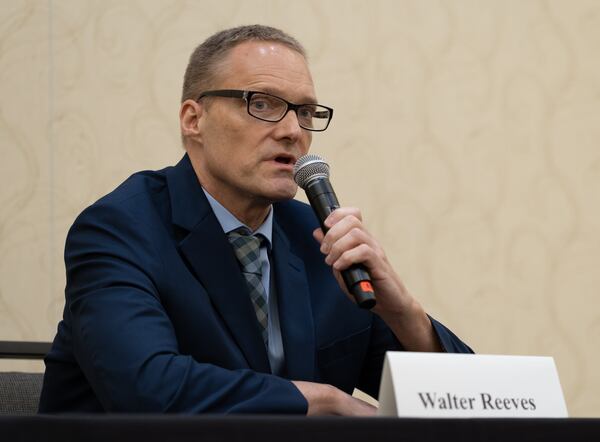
247, 250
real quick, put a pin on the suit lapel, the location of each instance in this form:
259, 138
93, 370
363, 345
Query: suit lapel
295, 312
213, 261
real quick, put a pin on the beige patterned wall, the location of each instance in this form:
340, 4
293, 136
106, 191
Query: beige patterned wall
467, 131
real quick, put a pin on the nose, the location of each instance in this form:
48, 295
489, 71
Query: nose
289, 127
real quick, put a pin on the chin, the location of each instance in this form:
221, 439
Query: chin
283, 192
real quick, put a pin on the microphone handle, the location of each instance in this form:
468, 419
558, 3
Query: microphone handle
323, 200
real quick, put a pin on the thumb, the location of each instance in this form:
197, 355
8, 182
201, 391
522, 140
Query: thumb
318, 235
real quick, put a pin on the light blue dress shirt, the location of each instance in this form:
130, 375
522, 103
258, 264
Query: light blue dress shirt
229, 223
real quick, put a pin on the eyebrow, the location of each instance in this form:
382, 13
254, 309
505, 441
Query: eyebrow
303, 100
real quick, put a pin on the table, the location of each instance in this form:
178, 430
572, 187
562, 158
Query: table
207, 428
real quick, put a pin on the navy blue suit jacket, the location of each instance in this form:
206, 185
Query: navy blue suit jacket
157, 317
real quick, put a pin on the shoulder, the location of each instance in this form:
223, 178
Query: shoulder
142, 185
131, 207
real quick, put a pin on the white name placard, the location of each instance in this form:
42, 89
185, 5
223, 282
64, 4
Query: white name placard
466, 385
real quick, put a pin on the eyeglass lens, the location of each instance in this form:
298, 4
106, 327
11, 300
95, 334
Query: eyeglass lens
270, 108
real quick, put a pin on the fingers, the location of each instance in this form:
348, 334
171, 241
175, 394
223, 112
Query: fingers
339, 214
339, 223
352, 246
347, 242
362, 254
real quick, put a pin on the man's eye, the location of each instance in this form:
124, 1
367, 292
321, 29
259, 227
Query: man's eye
306, 112
260, 105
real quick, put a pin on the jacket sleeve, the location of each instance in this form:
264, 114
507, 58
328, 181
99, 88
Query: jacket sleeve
124, 340
449, 341
383, 340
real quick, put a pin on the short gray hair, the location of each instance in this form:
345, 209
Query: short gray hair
201, 71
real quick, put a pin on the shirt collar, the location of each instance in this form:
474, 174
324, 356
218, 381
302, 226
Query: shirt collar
229, 222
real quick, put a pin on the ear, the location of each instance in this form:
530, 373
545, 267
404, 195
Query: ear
189, 116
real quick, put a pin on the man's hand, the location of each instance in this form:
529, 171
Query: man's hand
348, 242
325, 399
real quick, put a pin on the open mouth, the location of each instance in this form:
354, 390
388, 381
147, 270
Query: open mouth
284, 159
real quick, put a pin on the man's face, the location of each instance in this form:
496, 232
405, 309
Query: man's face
241, 160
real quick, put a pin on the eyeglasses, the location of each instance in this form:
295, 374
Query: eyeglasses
267, 107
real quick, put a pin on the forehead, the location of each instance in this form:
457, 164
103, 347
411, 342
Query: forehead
269, 67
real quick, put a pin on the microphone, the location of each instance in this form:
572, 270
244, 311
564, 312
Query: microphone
311, 172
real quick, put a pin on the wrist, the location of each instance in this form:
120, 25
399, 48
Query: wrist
329, 399
402, 310
412, 328
322, 399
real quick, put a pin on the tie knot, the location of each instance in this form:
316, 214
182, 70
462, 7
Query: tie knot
247, 249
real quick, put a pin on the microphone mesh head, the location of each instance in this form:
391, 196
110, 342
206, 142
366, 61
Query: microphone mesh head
309, 167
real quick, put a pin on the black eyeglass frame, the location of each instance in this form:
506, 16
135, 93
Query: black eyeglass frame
247, 96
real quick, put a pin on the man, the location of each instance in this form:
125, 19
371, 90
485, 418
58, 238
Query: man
163, 312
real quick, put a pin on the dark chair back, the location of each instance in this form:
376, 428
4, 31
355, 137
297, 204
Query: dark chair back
20, 392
